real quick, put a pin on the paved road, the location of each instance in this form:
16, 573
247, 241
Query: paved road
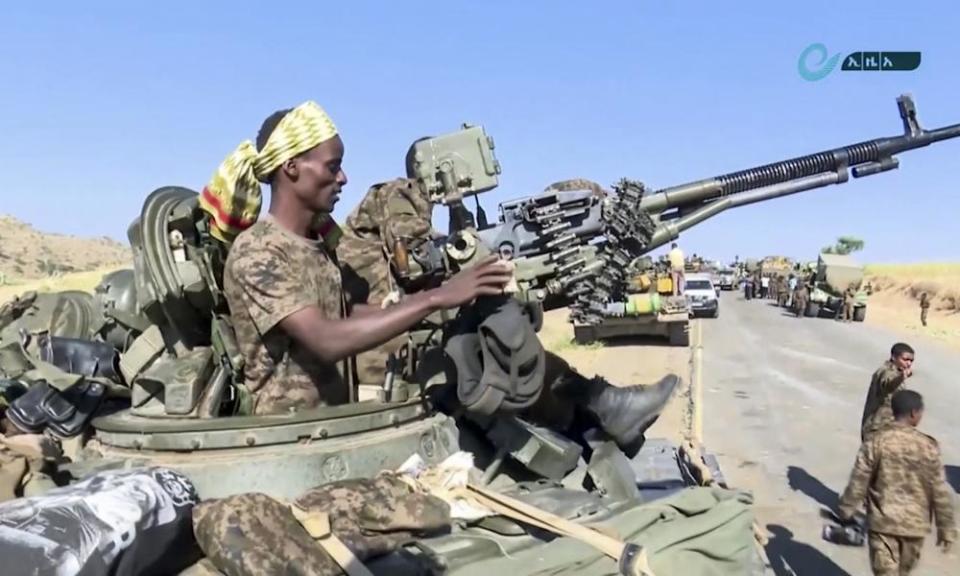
782, 402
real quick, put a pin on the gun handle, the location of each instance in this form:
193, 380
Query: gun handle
401, 257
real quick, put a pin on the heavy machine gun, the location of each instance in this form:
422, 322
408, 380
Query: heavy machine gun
573, 248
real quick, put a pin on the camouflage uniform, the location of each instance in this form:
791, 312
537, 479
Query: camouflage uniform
900, 475
390, 211
877, 411
848, 303
253, 534
577, 184
270, 273
800, 298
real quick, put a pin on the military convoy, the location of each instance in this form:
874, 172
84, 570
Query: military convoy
157, 339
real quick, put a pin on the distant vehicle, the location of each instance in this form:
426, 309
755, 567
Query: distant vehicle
701, 295
727, 279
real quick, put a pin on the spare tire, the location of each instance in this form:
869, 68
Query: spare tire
859, 313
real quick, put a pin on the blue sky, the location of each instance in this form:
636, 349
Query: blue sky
104, 102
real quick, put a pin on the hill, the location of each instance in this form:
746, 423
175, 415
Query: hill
28, 254
895, 302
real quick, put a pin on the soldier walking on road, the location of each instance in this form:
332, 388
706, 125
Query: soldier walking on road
887, 379
899, 474
924, 307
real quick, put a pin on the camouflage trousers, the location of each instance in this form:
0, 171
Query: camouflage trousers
254, 534
893, 555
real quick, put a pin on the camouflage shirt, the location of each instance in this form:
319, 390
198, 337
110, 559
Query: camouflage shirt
900, 475
390, 211
269, 274
577, 184
877, 412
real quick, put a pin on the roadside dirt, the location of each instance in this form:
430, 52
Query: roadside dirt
627, 362
900, 313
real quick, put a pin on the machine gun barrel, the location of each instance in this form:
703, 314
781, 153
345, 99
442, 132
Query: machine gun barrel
864, 158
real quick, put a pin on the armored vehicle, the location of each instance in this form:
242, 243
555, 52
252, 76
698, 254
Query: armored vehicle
650, 309
834, 275
168, 373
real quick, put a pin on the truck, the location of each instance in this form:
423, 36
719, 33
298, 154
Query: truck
834, 275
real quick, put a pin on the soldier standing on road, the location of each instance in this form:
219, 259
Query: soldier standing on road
282, 279
676, 268
887, 379
800, 298
900, 476
848, 303
924, 307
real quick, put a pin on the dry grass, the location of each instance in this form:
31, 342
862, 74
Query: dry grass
941, 281
84, 281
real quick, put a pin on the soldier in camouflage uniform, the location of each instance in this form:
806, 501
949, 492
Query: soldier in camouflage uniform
900, 476
399, 209
886, 380
389, 212
800, 298
622, 412
282, 279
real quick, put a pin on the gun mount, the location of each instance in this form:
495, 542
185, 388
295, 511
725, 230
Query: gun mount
574, 247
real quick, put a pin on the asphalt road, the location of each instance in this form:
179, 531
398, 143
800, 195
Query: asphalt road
782, 400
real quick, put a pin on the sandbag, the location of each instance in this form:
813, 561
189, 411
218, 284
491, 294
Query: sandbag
130, 522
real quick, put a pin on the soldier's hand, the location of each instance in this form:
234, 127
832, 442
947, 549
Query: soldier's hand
907, 372
487, 278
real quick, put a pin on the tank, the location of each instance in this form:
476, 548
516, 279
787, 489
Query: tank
180, 409
180, 415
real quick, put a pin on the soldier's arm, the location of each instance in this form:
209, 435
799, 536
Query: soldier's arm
890, 379
856, 491
335, 339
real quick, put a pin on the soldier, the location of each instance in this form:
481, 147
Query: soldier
624, 413
886, 380
849, 302
924, 308
800, 298
783, 296
900, 476
676, 268
282, 280
398, 210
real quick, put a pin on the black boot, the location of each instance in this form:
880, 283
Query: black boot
623, 413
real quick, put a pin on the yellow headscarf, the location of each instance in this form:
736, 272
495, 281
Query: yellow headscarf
233, 197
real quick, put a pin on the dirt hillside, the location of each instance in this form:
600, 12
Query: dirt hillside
27, 253
34, 260
895, 302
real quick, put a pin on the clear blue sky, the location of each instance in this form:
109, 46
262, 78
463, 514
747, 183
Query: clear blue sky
104, 102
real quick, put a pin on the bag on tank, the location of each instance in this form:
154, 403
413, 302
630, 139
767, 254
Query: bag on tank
123, 523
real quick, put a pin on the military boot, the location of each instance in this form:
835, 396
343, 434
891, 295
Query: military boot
623, 413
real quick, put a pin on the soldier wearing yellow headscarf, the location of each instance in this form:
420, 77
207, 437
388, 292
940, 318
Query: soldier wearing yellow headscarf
282, 280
